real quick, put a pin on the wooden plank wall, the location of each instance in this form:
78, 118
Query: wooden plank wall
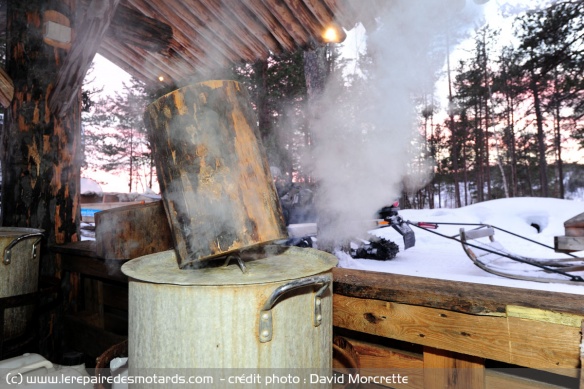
459, 332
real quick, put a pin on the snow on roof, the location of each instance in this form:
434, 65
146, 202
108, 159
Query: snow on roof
90, 187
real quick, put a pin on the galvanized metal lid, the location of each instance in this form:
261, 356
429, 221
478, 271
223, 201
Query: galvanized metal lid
269, 263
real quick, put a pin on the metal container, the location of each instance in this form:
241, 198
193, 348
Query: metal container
19, 274
216, 185
275, 315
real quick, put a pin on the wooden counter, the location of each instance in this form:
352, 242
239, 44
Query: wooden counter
442, 334
460, 325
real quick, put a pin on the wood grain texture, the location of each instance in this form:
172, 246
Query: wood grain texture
463, 297
132, 231
375, 360
6, 89
213, 173
444, 369
501, 380
523, 342
569, 243
40, 162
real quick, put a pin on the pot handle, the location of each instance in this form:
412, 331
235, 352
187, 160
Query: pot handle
265, 331
7, 259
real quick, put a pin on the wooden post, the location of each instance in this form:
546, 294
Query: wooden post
40, 152
581, 385
445, 369
40, 166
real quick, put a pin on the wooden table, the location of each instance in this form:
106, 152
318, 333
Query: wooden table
96, 295
441, 334
447, 334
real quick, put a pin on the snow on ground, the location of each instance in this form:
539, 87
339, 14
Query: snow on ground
437, 257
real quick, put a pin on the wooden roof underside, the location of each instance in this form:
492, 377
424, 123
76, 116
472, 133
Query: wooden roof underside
178, 39
184, 40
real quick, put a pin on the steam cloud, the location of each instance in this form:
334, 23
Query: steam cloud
363, 142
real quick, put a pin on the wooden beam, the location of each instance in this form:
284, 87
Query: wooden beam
287, 19
581, 386
258, 8
495, 379
254, 27
134, 28
568, 244
215, 31
89, 33
190, 37
375, 360
343, 12
455, 296
540, 345
306, 19
235, 32
6, 89
116, 52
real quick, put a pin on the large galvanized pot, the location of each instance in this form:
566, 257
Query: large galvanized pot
216, 185
276, 315
19, 274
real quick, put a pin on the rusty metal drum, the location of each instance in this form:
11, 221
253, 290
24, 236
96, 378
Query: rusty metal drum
216, 184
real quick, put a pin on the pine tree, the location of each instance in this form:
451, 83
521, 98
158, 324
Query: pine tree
115, 138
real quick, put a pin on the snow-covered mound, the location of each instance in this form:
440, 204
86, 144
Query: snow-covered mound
539, 219
90, 187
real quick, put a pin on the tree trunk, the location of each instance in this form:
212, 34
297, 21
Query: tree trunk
543, 179
315, 75
512, 145
487, 117
454, 151
41, 158
41, 152
558, 138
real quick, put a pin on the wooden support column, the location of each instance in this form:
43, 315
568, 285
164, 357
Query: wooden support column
445, 369
40, 158
40, 152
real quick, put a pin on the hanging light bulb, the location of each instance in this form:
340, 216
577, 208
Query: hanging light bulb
331, 35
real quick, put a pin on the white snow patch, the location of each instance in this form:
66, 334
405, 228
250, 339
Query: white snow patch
90, 187
437, 257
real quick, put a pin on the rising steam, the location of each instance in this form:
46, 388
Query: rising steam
364, 141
